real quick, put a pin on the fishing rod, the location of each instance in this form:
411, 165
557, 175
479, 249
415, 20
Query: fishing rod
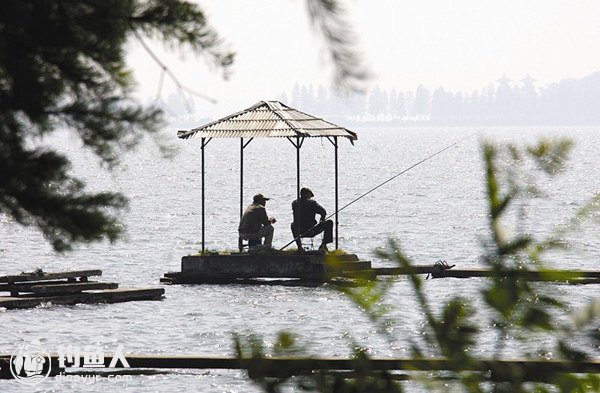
386, 182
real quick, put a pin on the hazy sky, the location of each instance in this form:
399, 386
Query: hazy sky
458, 44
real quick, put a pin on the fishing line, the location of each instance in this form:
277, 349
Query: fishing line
386, 182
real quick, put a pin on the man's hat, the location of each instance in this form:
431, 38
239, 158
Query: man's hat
306, 192
260, 197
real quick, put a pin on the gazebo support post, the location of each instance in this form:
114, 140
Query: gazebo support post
334, 142
241, 187
202, 146
335, 145
297, 144
202, 177
242, 147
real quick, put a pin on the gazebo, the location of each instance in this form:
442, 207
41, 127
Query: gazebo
270, 119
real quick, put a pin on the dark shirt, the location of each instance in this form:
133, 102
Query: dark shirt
304, 213
253, 219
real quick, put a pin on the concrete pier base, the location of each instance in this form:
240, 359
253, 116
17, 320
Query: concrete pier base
229, 268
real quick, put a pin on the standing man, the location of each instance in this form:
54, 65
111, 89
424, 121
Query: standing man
305, 209
255, 224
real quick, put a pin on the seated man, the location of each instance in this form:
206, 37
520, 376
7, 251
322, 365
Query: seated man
255, 224
305, 224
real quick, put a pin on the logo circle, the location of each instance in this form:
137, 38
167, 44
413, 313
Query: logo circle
30, 364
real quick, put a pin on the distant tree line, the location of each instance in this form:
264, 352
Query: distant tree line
570, 101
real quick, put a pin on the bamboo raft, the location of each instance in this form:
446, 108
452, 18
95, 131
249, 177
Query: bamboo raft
498, 369
312, 269
554, 275
28, 290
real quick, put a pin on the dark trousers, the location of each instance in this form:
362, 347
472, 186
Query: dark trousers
324, 226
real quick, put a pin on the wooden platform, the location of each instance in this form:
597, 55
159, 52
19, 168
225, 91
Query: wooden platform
28, 290
316, 268
245, 268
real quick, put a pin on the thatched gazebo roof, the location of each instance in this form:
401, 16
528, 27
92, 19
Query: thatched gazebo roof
269, 119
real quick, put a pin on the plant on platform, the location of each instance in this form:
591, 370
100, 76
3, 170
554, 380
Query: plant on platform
514, 307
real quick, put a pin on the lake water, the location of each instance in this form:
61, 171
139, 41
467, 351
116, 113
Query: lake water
437, 210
